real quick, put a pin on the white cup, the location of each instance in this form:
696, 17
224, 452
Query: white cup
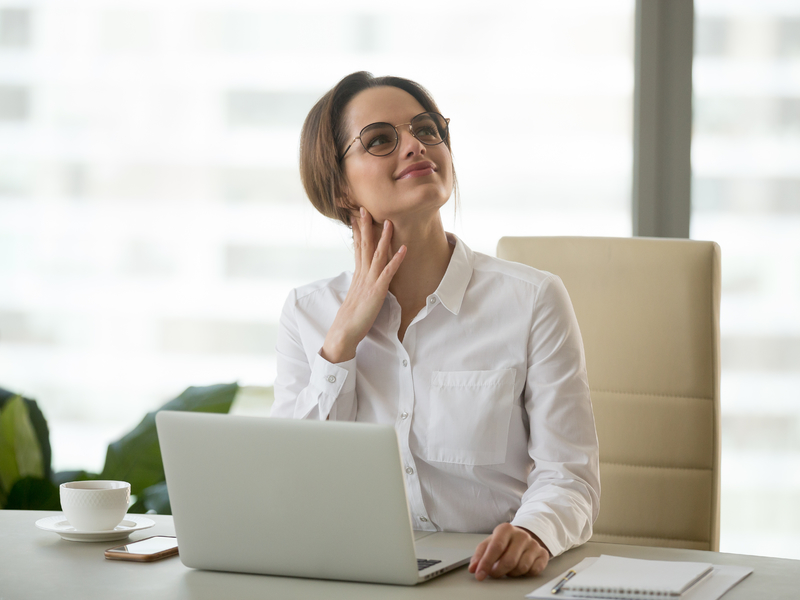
95, 505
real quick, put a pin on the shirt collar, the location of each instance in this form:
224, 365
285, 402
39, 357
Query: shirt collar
453, 286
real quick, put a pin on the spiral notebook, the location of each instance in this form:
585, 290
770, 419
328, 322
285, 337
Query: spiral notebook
614, 577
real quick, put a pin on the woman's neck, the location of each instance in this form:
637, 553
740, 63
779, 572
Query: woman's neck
428, 255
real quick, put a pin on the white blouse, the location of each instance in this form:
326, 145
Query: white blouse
487, 391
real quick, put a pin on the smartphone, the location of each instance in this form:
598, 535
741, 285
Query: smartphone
146, 550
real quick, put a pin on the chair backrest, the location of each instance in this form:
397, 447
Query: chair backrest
648, 310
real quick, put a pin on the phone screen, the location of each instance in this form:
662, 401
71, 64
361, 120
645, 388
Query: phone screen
151, 545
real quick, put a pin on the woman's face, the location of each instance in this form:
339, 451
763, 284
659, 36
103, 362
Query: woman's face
414, 181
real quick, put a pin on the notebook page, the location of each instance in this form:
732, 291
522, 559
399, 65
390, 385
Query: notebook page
614, 574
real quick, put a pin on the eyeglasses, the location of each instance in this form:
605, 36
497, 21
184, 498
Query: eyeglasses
380, 139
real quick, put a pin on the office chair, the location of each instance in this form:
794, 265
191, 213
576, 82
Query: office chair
648, 310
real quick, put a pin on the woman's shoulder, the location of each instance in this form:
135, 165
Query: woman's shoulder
516, 280
510, 270
323, 287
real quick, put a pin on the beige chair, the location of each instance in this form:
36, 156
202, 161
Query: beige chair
648, 310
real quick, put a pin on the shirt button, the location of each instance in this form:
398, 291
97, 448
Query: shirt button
405, 362
404, 415
409, 470
331, 379
423, 519
432, 300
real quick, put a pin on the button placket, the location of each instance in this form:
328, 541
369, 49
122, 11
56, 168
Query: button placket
405, 375
405, 406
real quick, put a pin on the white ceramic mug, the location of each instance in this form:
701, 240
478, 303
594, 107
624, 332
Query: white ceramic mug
95, 505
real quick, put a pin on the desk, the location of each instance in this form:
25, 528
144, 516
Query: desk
39, 564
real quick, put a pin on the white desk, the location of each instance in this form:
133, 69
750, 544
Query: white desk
39, 564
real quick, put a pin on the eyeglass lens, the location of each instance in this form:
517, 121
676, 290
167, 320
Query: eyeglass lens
380, 139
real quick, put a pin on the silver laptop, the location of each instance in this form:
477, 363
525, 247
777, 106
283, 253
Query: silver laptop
313, 499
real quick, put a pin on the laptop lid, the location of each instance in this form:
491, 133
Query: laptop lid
289, 497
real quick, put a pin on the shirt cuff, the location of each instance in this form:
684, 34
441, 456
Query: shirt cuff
543, 530
333, 382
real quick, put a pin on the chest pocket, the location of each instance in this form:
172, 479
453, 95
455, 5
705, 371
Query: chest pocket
470, 413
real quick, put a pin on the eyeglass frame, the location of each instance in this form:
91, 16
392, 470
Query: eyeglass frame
397, 134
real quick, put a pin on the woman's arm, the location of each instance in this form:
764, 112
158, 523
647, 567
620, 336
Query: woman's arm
562, 499
322, 385
374, 270
563, 496
307, 385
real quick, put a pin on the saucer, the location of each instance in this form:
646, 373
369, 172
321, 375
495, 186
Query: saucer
61, 526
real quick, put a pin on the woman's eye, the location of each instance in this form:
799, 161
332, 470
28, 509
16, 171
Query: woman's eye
428, 131
378, 140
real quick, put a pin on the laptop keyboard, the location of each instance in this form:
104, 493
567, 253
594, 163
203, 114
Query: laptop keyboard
424, 563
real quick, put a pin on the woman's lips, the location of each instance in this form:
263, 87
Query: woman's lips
419, 169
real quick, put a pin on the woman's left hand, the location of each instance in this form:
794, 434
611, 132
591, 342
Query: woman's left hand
511, 551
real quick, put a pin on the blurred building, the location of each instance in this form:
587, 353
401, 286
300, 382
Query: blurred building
746, 197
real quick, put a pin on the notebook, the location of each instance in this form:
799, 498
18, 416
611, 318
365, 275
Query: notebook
297, 498
618, 577
614, 577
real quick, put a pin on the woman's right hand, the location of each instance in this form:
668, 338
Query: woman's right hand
374, 270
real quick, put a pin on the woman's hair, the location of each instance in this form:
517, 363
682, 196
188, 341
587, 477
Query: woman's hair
324, 138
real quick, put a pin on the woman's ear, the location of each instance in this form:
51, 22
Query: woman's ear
343, 201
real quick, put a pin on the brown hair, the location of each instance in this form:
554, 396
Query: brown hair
324, 137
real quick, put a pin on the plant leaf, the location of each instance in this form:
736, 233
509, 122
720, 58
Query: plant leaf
136, 457
20, 453
29, 453
67, 476
9, 472
156, 498
33, 493
39, 426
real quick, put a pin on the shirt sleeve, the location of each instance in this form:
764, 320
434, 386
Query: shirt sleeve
308, 386
563, 496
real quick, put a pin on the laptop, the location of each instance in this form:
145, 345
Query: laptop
297, 498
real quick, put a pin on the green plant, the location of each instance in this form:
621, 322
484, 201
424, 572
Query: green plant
21, 449
26, 480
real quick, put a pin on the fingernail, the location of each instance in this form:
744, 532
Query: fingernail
480, 575
363, 212
386, 224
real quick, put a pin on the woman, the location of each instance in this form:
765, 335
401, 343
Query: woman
477, 362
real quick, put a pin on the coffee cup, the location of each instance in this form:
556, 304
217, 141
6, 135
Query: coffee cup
95, 505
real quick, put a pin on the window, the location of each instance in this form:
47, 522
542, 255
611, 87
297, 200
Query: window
152, 220
746, 196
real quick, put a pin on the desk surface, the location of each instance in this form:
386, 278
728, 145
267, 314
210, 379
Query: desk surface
39, 564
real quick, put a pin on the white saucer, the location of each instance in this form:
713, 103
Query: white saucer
61, 526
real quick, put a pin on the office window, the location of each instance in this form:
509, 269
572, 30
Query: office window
15, 27
152, 220
746, 196
14, 103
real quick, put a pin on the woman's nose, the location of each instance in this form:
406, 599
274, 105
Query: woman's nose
409, 144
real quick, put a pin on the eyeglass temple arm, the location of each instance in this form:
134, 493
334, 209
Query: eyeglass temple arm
358, 137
